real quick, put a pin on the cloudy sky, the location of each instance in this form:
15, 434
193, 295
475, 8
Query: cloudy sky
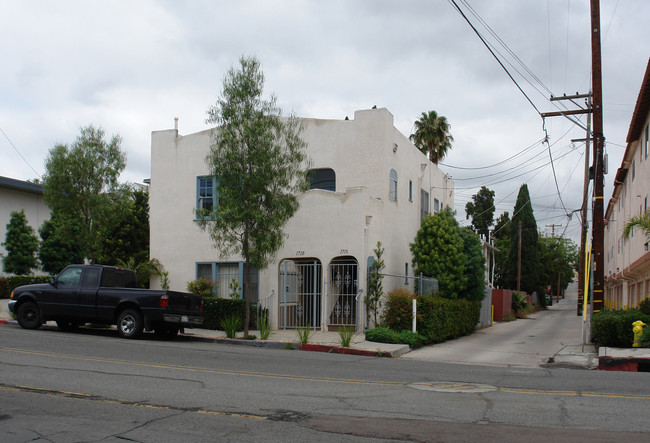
132, 66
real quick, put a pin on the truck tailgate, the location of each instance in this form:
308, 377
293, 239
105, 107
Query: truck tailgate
184, 303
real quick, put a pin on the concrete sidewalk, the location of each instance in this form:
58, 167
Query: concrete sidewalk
318, 340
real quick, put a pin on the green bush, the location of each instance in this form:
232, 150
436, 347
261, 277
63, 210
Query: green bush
4, 288
8, 284
614, 328
398, 313
217, 309
385, 335
201, 286
644, 306
645, 338
441, 319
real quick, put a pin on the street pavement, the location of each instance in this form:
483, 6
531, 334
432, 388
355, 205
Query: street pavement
551, 338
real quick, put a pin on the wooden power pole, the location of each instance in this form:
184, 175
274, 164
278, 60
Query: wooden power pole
598, 246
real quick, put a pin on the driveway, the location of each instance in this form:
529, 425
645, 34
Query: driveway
529, 342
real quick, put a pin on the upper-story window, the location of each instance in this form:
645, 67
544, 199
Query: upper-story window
436, 205
392, 190
424, 204
410, 190
647, 137
206, 195
324, 178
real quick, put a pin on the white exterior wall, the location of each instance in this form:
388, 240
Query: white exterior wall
348, 222
12, 199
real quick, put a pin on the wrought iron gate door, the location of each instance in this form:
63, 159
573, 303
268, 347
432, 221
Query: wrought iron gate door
299, 294
343, 288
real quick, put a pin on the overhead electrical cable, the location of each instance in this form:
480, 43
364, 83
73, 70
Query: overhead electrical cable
19, 153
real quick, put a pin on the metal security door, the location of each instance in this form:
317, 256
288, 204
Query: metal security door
300, 294
343, 289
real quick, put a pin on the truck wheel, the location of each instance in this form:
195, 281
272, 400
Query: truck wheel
166, 332
29, 316
129, 323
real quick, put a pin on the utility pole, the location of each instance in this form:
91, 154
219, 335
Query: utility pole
553, 228
519, 261
598, 246
583, 217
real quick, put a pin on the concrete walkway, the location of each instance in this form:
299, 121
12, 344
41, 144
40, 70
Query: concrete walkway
546, 338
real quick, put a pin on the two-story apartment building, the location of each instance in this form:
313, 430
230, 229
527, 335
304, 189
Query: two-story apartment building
16, 195
627, 270
368, 183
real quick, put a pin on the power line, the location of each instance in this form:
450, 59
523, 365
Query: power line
18, 152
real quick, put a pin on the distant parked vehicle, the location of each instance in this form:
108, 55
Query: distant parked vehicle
105, 295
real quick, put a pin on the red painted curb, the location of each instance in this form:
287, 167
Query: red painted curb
342, 350
3, 321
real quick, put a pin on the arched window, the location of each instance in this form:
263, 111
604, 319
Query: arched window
392, 190
324, 178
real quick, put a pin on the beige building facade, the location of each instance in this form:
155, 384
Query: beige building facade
627, 271
369, 184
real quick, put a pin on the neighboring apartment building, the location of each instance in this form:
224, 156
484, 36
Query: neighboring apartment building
368, 184
14, 196
627, 270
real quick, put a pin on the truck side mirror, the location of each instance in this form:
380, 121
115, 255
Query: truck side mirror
52, 281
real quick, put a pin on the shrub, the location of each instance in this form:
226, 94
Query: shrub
201, 286
4, 288
382, 335
385, 335
8, 284
440, 319
398, 314
216, 309
346, 333
645, 338
614, 328
644, 306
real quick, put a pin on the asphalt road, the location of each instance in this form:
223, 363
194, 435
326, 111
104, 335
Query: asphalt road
93, 386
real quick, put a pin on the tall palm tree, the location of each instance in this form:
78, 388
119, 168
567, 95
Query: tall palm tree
432, 135
640, 221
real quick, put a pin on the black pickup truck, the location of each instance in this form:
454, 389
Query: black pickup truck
105, 295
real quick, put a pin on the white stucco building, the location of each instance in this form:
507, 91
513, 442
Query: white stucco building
369, 184
627, 265
16, 195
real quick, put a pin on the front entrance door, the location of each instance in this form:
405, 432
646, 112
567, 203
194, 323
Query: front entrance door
343, 289
299, 294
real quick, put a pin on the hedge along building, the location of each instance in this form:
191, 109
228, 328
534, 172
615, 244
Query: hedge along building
368, 183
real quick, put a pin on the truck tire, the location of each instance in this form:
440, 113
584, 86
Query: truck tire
166, 332
129, 323
29, 317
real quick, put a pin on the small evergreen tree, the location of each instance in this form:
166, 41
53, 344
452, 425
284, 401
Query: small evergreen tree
56, 251
375, 286
523, 213
438, 252
21, 244
474, 265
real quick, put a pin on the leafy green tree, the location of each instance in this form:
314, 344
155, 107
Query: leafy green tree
21, 244
640, 221
523, 213
80, 182
375, 285
474, 265
558, 256
481, 211
56, 250
438, 252
258, 159
125, 235
432, 135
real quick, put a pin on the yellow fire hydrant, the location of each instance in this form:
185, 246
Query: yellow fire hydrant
637, 328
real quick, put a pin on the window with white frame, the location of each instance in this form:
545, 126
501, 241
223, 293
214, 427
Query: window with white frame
436, 205
222, 275
392, 190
